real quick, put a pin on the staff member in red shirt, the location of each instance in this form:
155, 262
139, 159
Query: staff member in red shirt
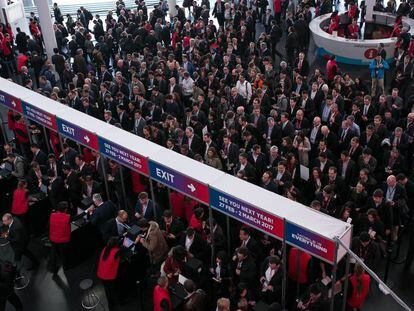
353, 29
59, 235
108, 269
20, 203
359, 282
161, 296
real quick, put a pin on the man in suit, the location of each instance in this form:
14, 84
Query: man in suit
99, 166
246, 240
18, 165
258, 160
56, 189
146, 208
282, 176
139, 123
369, 139
246, 167
395, 196
244, 268
271, 277
193, 141
123, 117
68, 156
90, 187
82, 168
288, 130
272, 134
347, 168
16, 234
368, 111
172, 228
193, 244
267, 182
116, 227
100, 212
229, 154
345, 135
39, 156
218, 12
73, 186
196, 298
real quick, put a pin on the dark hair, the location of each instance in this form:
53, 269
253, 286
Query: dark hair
112, 242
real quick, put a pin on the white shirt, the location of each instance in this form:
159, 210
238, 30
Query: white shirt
244, 89
187, 86
188, 243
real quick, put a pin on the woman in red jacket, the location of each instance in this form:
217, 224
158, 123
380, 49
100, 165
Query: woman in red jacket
59, 235
359, 283
161, 296
108, 269
20, 203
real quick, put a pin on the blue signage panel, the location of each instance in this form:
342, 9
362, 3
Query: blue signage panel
177, 181
246, 213
77, 134
123, 156
310, 242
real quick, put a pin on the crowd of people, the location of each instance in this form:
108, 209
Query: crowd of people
209, 84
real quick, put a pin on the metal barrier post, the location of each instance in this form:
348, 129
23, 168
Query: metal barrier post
334, 268
153, 198
284, 264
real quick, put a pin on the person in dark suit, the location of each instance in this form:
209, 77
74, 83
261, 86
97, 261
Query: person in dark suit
347, 168
116, 227
16, 234
288, 130
229, 154
73, 186
281, 176
196, 298
172, 228
272, 134
271, 277
246, 240
244, 268
56, 189
258, 160
355, 150
100, 212
193, 244
337, 184
39, 156
146, 208
124, 118
345, 134
217, 236
68, 156
138, 123
323, 163
218, 12
369, 139
82, 168
267, 182
90, 187
193, 141
248, 169
368, 111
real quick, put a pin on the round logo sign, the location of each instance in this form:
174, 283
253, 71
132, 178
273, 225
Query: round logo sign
370, 53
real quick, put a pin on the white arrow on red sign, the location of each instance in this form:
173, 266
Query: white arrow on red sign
191, 187
86, 137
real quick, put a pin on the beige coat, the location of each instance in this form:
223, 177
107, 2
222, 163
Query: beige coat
155, 243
